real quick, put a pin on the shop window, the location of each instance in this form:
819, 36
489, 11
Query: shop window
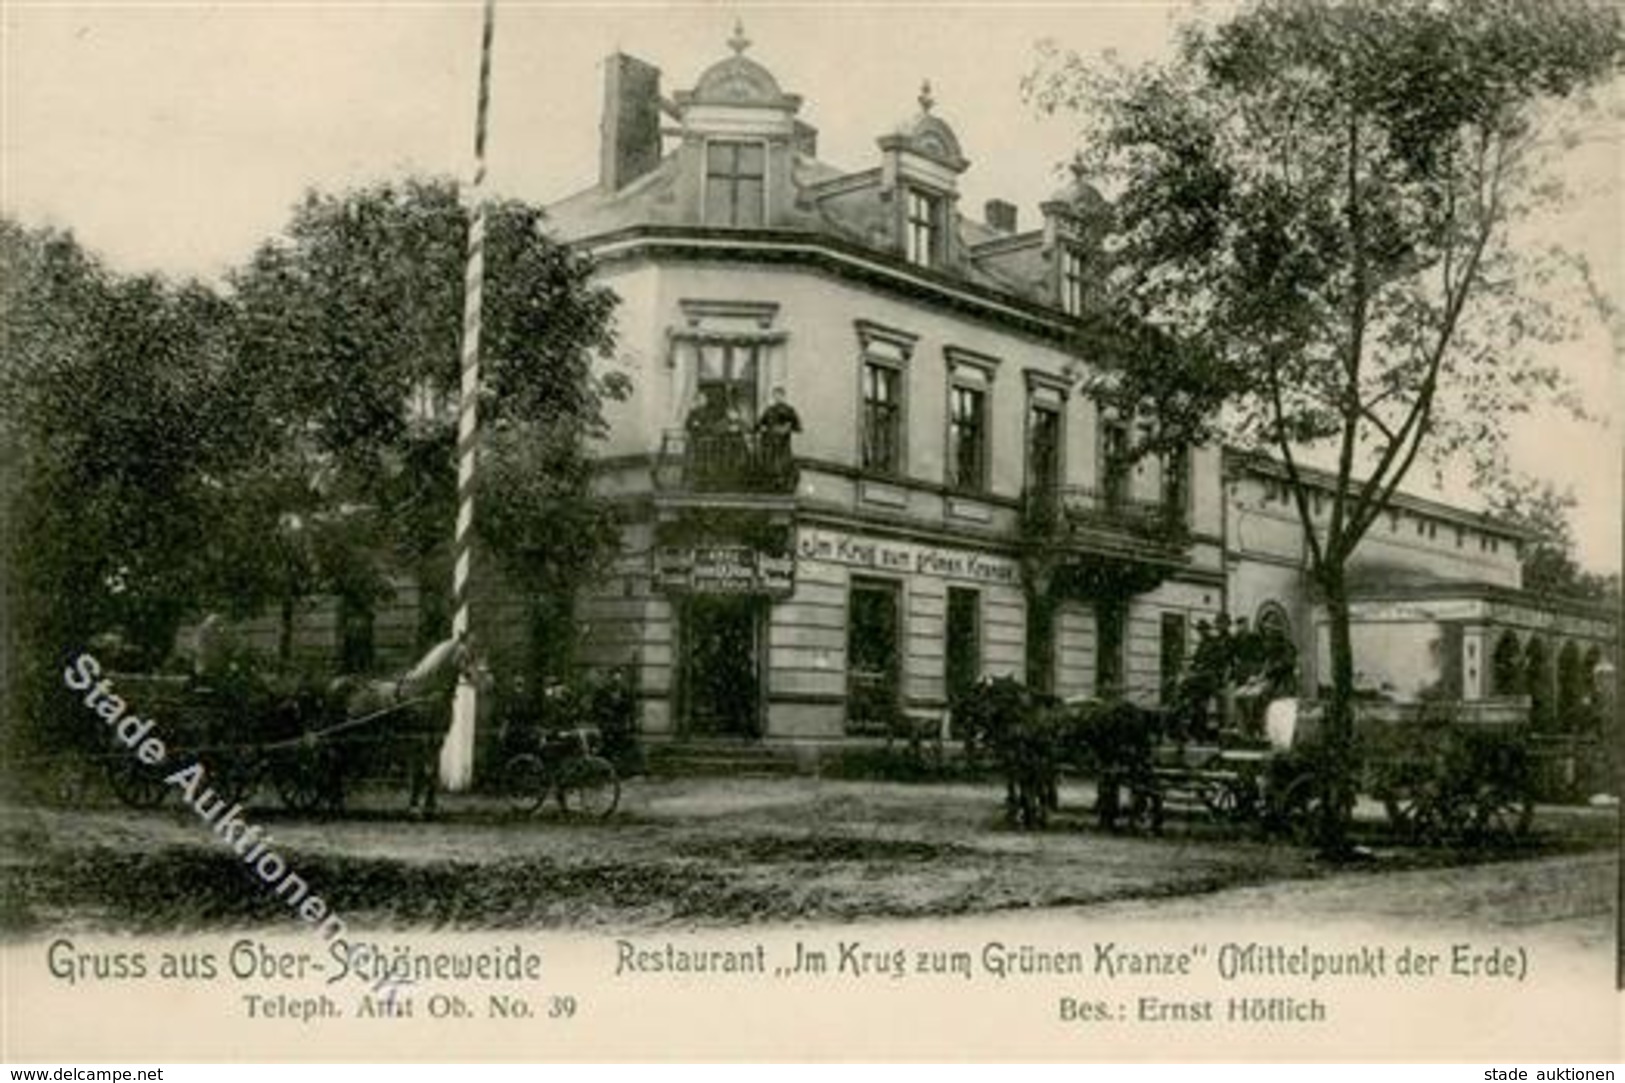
873, 650
964, 635
1110, 618
1172, 655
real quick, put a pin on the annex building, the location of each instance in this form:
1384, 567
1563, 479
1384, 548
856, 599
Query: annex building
859, 472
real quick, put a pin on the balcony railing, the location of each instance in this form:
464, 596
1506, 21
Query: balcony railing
726, 462
1060, 510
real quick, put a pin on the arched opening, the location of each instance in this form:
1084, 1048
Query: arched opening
1506, 670
1571, 687
1537, 679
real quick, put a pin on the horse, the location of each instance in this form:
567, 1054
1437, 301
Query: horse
415, 707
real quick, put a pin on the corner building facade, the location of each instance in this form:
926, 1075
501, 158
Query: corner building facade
942, 505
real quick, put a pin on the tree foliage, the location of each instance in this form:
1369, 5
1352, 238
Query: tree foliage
1312, 220
173, 449
351, 328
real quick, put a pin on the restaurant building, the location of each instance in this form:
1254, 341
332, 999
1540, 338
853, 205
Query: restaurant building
942, 504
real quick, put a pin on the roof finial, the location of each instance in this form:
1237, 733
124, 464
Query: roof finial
739, 42
1078, 168
926, 100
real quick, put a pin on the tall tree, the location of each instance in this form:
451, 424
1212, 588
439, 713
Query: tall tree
350, 325
115, 421
1312, 245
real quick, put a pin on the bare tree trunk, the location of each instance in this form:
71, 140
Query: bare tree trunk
1338, 783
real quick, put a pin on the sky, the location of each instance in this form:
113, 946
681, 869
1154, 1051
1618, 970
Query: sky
174, 137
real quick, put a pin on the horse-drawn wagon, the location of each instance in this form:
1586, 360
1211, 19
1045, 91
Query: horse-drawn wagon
1441, 771
311, 742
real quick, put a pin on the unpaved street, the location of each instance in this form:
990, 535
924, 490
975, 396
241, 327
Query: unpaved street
709, 852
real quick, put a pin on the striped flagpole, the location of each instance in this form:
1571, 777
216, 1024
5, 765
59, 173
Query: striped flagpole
457, 754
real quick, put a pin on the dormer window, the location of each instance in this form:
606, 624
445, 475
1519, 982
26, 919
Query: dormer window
735, 183
1071, 281
924, 228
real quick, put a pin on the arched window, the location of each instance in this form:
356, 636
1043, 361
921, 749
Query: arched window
1537, 676
1571, 686
1506, 671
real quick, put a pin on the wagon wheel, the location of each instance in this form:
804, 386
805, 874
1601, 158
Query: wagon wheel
134, 783
298, 777
1301, 808
1229, 800
1409, 807
1145, 810
588, 786
1494, 814
524, 783
231, 777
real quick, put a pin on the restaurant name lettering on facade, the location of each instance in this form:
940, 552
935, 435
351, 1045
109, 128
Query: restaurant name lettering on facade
725, 569
905, 557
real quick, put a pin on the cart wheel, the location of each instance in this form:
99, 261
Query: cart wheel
1224, 801
524, 783
1145, 810
299, 780
232, 778
588, 786
1301, 808
1497, 816
134, 783
1409, 810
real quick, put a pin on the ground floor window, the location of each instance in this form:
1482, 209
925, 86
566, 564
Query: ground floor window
720, 670
964, 635
1110, 616
1172, 651
1041, 645
873, 653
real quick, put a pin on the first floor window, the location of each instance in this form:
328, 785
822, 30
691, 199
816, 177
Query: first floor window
1114, 463
882, 418
1043, 448
967, 438
1176, 477
727, 378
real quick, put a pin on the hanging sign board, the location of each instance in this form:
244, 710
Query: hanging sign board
724, 569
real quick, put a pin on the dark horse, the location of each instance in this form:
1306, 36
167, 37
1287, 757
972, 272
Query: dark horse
412, 711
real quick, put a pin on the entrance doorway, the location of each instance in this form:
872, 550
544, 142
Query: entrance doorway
721, 666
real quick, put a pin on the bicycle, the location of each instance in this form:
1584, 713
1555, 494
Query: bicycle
566, 766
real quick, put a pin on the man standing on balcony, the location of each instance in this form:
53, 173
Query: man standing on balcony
776, 425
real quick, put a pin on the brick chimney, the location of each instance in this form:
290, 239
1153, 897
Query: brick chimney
629, 133
1000, 215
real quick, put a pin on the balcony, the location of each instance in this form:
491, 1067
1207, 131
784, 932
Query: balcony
725, 464
1104, 519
